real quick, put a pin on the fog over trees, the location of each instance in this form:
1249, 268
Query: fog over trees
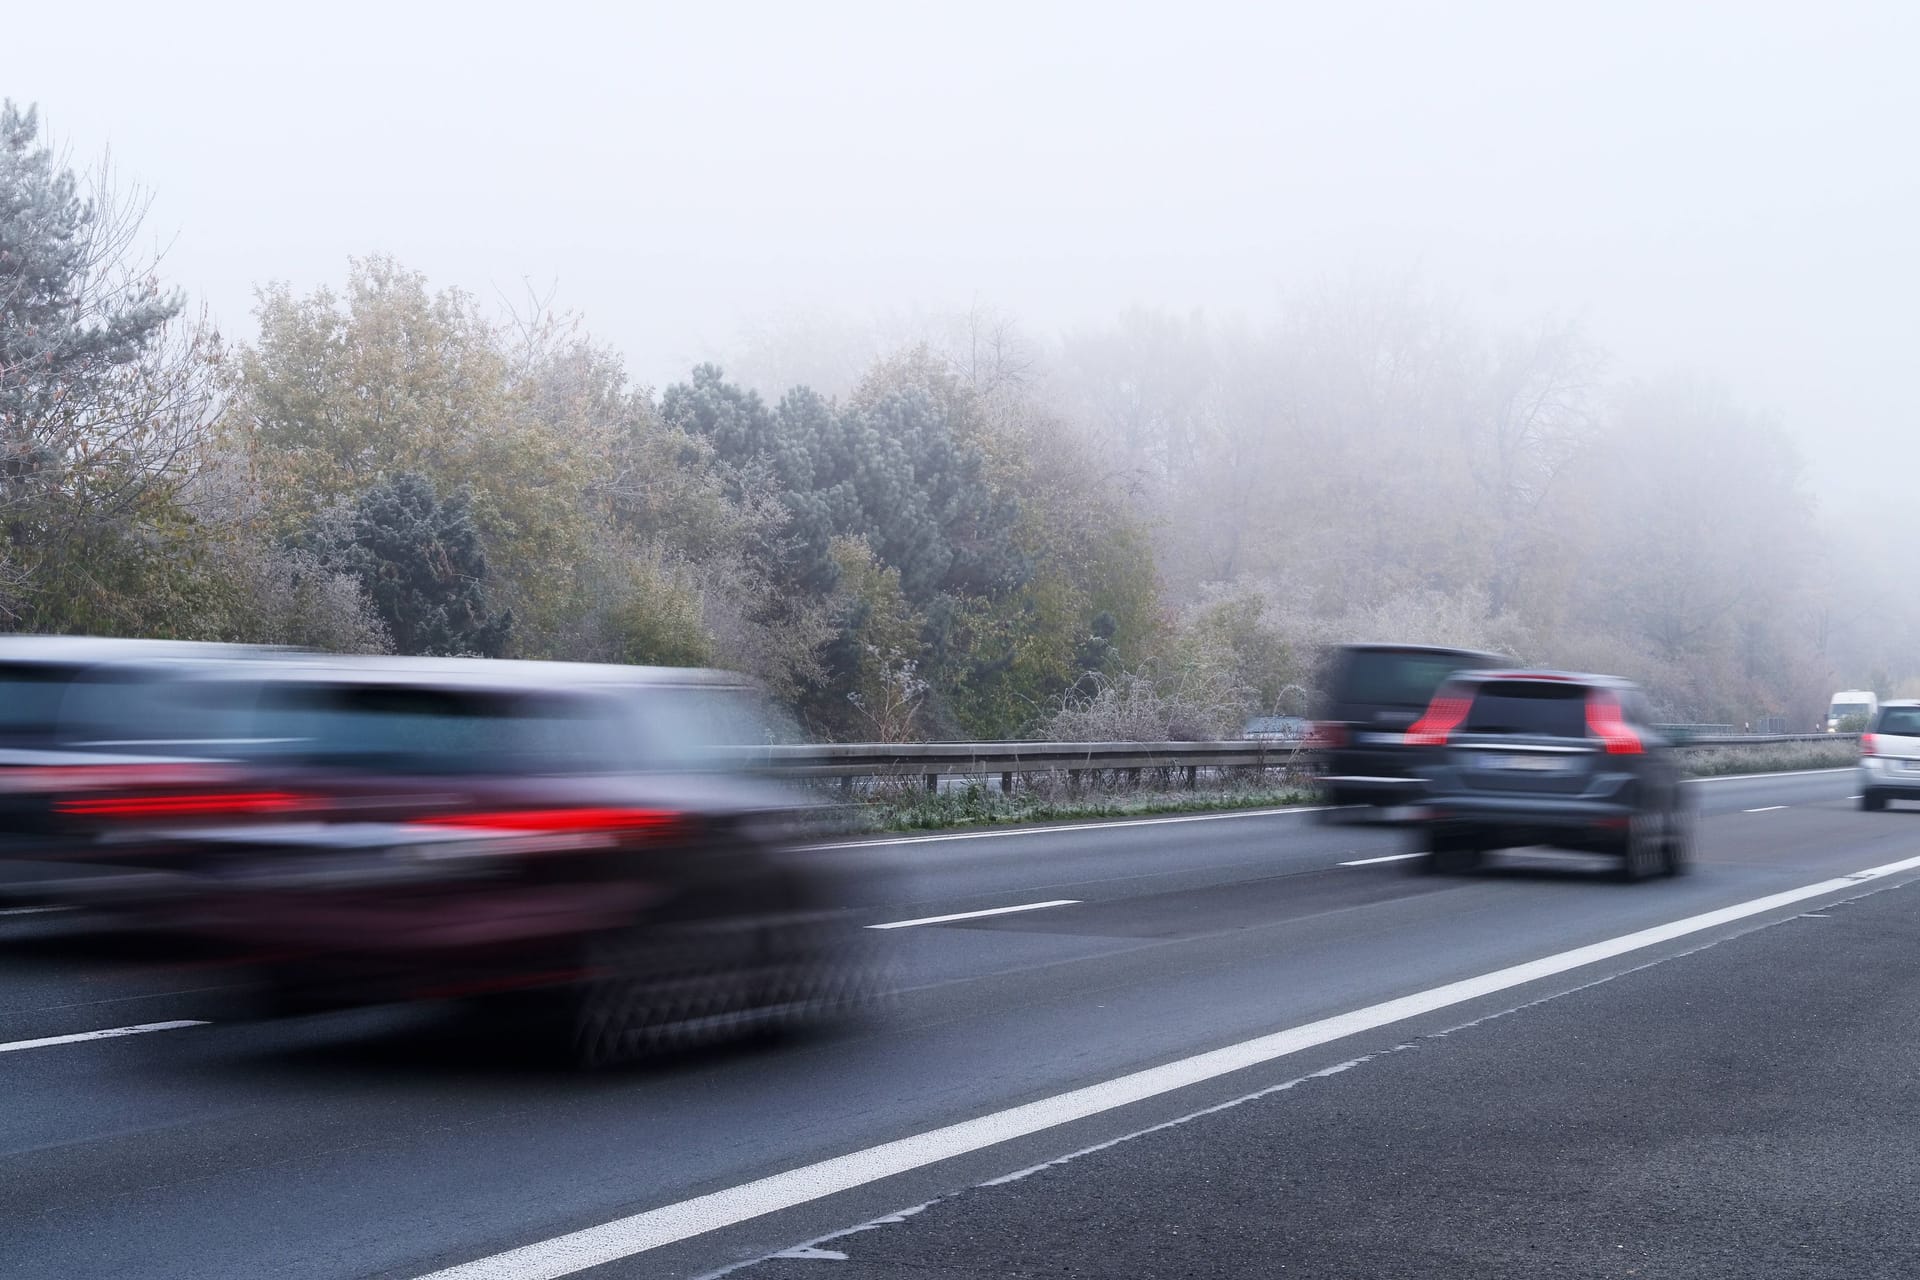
967, 527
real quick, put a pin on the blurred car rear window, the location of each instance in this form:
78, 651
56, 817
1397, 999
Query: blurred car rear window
1902, 722
1534, 708
423, 730
1393, 678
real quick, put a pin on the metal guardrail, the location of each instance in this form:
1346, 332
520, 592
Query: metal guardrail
935, 760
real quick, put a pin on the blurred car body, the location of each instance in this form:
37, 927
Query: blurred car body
1374, 692
1549, 758
1890, 755
570, 839
81, 716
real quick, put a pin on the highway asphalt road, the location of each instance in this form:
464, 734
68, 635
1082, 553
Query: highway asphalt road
1530, 1071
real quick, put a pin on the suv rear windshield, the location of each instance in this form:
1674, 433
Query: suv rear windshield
1533, 707
422, 730
1902, 722
1396, 677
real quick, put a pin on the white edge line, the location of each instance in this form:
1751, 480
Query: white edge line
1785, 773
975, 915
108, 1034
1765, 808
638, 1233
29, 911
1391, 857
1161, 820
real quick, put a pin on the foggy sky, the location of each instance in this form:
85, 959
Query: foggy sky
1731, 188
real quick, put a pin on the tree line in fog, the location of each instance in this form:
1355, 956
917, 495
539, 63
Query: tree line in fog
1147, 529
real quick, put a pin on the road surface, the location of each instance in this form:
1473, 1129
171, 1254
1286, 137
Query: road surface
1207, 1046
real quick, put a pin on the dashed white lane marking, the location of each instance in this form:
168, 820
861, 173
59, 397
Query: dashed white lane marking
1391, 857
108, 1034
654, 1228
1765, 808
975, 915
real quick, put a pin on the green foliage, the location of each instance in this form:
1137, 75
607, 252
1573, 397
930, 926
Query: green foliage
102, 394
421, 562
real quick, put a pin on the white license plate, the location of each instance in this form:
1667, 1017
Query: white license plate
1532, 764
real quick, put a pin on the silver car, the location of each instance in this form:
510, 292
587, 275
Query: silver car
1890, 755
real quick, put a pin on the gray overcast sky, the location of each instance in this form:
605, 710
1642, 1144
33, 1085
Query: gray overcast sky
1732, 188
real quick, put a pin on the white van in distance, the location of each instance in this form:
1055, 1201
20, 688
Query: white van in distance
1851, 702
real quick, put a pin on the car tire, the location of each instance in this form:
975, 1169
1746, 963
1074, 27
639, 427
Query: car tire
1450, 853
1677, 849
1641, 853
1872, 801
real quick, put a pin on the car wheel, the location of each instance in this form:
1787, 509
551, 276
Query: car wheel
1640, 852
1450, 853
1677, 849
1872, 801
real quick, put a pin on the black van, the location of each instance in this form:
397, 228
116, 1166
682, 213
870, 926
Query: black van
1374, 691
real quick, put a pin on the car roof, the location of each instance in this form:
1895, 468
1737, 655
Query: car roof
98, 650
1505, 675
480, 673
1441, 649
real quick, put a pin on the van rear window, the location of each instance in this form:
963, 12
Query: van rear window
1532, 707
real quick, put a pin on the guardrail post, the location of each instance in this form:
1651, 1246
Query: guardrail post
1193, 776
1006, 783
933, 782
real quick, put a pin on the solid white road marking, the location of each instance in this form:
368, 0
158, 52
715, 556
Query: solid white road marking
1164, 820
28, 911
975, 915
1786, 773
1765, 808
109, 1034
1391, 857
654, 1228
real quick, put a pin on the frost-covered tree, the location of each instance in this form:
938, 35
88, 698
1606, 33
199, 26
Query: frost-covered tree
420, 560
103, 387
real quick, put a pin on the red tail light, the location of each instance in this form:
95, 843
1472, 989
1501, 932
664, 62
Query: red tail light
1326, 735
200, 805
1444, 715
1867, 745
1605, 722
652, 821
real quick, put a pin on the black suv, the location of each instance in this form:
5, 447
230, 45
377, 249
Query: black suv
1374, 691
1549, 758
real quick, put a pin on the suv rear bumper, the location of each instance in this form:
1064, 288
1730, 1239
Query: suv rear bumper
1520, 820
1878, 774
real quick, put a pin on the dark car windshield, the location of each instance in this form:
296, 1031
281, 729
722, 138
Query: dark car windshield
1395, 677
1531, 707
121, 708
1900, 721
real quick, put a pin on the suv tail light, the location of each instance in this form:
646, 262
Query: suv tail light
206, 804
1326, 735
1867, 745
1444, 715
1605, 722
658, 822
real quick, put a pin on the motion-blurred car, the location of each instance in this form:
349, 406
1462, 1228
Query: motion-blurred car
81, 716
574, 842
1548, 758
1890, 755
1374, 692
